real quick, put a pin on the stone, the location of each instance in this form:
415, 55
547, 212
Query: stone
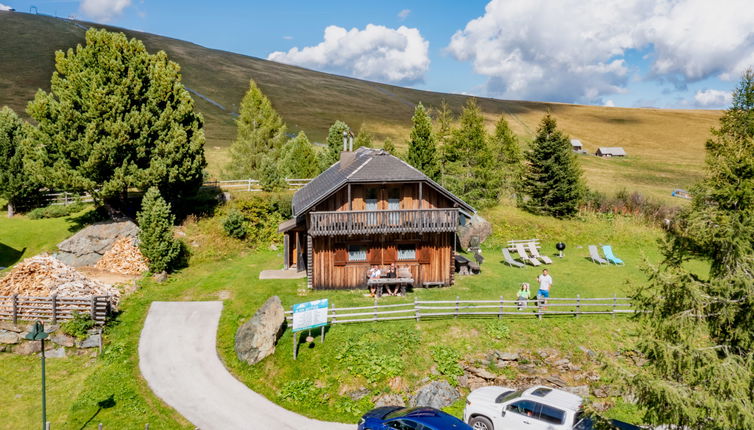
87, 246
481, 373
160, 277
9, 337
436, 394
91, 341
600, 392
509, 356
591, 354
63, 339
388, 400
56, 353
257, 337
556, 381
8, 326
562, 362
359, 394
28, 348
476, 226
579, 390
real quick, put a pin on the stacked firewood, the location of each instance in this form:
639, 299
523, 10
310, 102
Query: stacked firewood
44, 276
124, 258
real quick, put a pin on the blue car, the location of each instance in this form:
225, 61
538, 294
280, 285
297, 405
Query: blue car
398, 418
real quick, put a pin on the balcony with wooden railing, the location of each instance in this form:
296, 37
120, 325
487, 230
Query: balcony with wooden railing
335, 223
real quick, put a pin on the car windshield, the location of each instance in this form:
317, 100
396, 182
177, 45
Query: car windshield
400, 413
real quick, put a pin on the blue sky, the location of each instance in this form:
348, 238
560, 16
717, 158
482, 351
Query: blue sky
631, 53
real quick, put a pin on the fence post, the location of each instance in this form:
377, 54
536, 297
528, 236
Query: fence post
47, 425
146, 426
375, 309
615, 302
457, 298
54, 300
500, 315
248, 184
539, 307
93, 310
578, 305
15, 309
334, 317
99, 426
416, 308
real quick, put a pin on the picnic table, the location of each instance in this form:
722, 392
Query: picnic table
380, 284
464, 266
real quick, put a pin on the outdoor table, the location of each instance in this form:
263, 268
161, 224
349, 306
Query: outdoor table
380, 283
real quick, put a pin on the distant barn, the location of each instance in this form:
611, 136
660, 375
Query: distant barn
576, 145
616, 151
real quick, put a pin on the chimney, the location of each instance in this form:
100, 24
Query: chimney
347, 156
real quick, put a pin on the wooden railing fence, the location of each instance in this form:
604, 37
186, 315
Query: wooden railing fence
329, 223
438, 309
21, 308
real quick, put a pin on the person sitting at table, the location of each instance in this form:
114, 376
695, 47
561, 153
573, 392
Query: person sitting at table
392, 290
373, 273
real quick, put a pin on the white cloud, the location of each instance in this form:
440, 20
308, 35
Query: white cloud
376, 52
288, 37
4, 7
103, 10
712, 99
574, 50
403, 14
609, 103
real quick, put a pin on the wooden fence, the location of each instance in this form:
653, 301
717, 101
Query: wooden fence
439, 309
54, 308
67, 198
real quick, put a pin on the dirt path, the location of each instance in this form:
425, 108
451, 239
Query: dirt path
178, 358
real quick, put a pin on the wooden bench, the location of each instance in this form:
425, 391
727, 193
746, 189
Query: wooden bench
380, 284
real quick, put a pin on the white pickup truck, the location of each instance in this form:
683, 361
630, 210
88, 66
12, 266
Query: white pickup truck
536, 408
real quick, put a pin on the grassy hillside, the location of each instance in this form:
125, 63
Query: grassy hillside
665, 147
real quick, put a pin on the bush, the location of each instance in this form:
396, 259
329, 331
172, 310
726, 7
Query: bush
447, 359
625, 203
55, 211
263, 213
235, 225
156, 241
78, 326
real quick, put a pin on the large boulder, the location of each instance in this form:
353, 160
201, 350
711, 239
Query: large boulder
476, 226
256, 338
436, 394
87, 246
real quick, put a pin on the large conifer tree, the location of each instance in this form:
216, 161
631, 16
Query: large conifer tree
116, 118
697, 329
552, 178
422, 151
298, 158
334, 145
260, 135
17, 186
508, 158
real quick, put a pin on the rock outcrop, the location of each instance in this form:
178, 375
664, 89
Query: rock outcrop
436, 394
87, 246
256, 338
476, 226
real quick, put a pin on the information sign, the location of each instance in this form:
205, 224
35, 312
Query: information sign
309, 315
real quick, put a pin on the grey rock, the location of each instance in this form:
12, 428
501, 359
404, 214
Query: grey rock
27, 348
481, 373
562, 362
437, 394
63, 339
509, 356
600, 392
56, 353
555, 381
8, 326
256, 338
87, 246
160, 277
9, 337
359, 394
588, 352
52, 328
91, 341
388, 400
579, 390
476, 226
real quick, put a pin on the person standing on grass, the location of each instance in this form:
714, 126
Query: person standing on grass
545, 283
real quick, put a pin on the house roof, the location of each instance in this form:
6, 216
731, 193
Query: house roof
611, 150
575, 142
368, 165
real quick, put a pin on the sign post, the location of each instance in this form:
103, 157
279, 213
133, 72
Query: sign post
38, 333
307, 316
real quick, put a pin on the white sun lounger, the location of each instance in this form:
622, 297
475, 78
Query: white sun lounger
535, 253
509, 259
524, 256
595, 255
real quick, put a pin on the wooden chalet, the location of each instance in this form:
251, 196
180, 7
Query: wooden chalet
372, 208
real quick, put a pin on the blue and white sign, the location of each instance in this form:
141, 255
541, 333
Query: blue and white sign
309, 315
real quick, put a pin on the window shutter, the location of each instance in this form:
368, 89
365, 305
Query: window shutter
374, 255
424, 254
341, 255
390, 255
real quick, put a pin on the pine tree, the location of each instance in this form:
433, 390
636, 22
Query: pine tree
443, 133
363, 139
422, 151
271, 178
156, 240
16, 184
299, 159
552, 178
389, 147
116, 118
470, 172
508, 158
697, 329
260, 134
334, 145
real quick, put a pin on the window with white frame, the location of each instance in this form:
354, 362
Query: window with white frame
407, 252
357, 253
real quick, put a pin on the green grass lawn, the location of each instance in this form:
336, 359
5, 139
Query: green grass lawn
318, 382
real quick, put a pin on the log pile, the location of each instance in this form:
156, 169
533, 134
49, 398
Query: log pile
44, 276
124, 258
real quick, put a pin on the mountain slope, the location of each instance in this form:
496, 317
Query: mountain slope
665, 147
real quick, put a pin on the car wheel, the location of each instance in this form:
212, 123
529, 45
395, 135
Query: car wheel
480, 423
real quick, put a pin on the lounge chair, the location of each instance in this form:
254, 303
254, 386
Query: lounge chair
608, 251
524, 256
509, 260
535, 253
595, 255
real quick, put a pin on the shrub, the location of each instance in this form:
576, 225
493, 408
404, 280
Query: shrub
55, 211
625, 203
497, 329
78, 326
156, 241
263, 213
235, 225
447, 359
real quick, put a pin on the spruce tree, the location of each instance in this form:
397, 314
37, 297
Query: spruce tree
156, 240
260, 133
389, 147
334, 145
422, 151
299, 159
552, 178
697, 329
17, 186
470, 171
116, 118
363, 139
443, 133
507, 153
271, 178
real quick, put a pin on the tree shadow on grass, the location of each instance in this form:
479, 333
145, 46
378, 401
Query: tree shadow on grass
9, 255
102, 404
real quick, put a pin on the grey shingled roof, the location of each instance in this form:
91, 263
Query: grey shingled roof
612, 150
369, 165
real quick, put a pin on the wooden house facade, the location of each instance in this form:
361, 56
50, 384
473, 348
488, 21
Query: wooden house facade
372, 208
